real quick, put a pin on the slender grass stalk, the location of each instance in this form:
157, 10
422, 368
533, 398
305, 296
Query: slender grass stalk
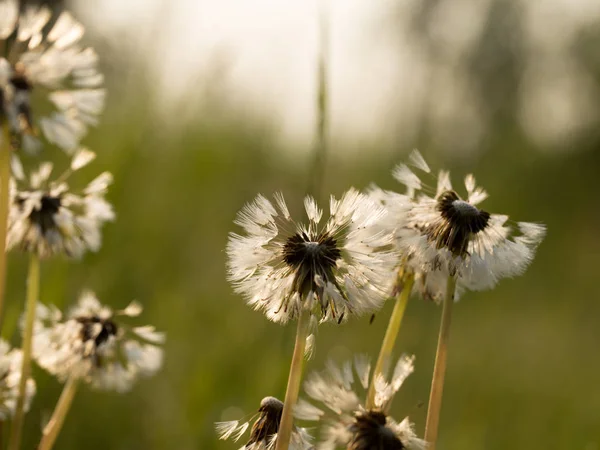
439, 369
52, 429
5, 153
387, 346
322, 125
293, 387
33, 292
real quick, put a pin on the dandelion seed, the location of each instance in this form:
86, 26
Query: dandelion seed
10, 377
48, 218
342, 268
450, 235
93, 344
50, 66
346, 421
263, 434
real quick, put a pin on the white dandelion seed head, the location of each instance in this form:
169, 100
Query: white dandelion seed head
10, 378
45, 59
263, 434
92, 344
341, 409
448, 235
340, 268
406, 433
48, 218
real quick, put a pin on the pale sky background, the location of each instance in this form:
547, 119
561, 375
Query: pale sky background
262, 55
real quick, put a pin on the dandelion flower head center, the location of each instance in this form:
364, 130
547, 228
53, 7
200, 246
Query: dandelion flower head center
97, 329
17, 93
369, 431
44, 215
465, 208
310, 256
459, 221
271, 404
19, 79
268, 423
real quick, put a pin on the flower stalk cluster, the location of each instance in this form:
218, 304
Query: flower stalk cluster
51, 92
374, 246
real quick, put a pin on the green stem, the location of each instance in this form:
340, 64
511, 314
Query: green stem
387, 346
293, 387
439, 369
52, 429
5, 153
33, 290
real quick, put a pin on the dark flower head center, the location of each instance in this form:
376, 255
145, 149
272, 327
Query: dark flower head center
20, 82
459, 221
18, 110
89, 330
465, 209
44, 216
310, 256
369, 432
268, 422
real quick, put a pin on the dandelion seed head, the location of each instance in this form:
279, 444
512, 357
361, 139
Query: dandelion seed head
50, 62
445, 234
263, 434
267, 424
97, 330
334, 270
311, 257
10, 378
458, 222
48, 218
90, 343
344, 419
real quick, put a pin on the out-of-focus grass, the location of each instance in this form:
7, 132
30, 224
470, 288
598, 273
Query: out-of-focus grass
523, 364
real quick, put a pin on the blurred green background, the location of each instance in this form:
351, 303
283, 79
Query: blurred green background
524, 363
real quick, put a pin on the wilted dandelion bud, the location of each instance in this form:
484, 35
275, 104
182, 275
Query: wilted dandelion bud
10, 377
334, 270
263, 434
44, 68
445, 234
94, 343
48, 217
346, 423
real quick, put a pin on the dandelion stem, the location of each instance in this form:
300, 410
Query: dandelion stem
52, 429
5, 152
439, 369
293, 387
33, 291
387, 346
